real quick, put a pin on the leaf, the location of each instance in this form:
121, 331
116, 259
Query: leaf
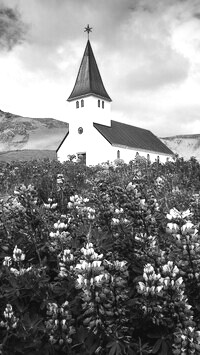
110, 344
115, 348
131, 351
82, 334
165, 348
157, 346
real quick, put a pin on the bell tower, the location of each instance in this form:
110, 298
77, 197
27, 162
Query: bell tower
89, 101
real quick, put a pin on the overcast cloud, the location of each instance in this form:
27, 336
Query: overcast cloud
148, 53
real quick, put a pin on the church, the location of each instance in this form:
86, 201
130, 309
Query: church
93, 137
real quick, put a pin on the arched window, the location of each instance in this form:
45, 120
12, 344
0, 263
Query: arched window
102, 104
99, 103
82, 103
77, 104
118, 154
148, 157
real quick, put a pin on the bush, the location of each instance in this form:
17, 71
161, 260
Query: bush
100, 260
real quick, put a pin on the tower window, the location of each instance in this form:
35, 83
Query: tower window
148, 157
102, 104
82, 103
118, 154
158, 159
98, 103
77, 104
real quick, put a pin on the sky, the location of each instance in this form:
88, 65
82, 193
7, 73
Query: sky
147, 51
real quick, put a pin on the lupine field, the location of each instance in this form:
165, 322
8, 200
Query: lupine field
100, 260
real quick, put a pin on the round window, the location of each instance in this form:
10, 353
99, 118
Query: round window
80, 130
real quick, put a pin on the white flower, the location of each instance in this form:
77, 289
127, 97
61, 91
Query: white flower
158, 289
96, 263
14, 271
188, 228
141, 287
115, 221
169, 216
46, 205
125, 220
86, 200
7, 261
89, 245
98, 279
174, 213
159, 180
67, 251
148, 268
52, 235
53, 206
175, 271
142, 202
179, 281
17, 254
186, 213
172, 228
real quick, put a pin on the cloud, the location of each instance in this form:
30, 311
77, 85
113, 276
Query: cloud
145, 49
12, 29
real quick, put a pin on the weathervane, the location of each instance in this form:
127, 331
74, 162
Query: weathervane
88, 29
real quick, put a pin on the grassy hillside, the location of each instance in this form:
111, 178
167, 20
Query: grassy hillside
185, 146
27, 155
25, 133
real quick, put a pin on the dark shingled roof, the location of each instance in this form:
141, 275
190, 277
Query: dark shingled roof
121, 134
88, 81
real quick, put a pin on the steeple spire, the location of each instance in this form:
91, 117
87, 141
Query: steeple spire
88, 81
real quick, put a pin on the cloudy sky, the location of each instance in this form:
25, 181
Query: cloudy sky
148, 53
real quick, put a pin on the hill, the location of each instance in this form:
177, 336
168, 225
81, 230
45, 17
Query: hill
185, 146
25, 138
22, 137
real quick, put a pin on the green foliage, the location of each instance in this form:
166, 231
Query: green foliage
100, 260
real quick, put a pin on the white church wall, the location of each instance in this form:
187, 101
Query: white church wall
128, 154
99, 150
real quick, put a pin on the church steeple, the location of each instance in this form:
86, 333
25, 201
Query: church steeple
88, 81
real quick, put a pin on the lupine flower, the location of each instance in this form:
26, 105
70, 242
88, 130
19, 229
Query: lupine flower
159, 180
172, 228
60, 225
115, 221
188, 228
7, 261
174, 213
18, 255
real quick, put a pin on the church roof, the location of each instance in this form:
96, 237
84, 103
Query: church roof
88, 81
125, 135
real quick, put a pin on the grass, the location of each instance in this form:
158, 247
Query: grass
27, 155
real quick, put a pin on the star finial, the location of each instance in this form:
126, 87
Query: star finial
88, 29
